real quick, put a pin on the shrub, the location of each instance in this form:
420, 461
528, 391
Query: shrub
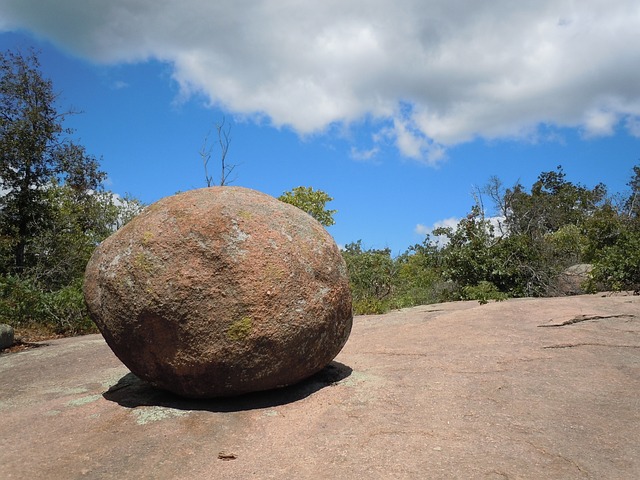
483, 292
617, 267
23, 304
369, 306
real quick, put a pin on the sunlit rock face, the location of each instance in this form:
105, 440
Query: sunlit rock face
221, 291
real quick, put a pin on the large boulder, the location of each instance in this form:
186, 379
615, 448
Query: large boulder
570, 281
220, 291
6, 336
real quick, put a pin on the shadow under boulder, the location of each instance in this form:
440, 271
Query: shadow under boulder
132, 392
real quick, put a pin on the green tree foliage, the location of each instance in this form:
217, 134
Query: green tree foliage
371, 274
419, 278
546, 231
614, 243
53, 208
471, 259
632, 204
553, 203
380, 282
483, 292
311, 201
538, 235
34, 153
49, 292
617, 267
466, 256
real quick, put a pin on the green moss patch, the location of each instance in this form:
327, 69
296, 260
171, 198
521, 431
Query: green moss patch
240, 329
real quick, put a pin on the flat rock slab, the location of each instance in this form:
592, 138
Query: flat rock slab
523, 389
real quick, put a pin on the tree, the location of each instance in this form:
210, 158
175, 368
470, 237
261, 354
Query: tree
617, 267
311, 201
53, 207
78, 224
371, 277
614, 243
34, 155
224, 141
552, 203
469, 256
632, 205
418, 279
544, 231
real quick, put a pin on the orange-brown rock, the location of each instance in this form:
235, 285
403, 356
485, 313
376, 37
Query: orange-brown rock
220, 291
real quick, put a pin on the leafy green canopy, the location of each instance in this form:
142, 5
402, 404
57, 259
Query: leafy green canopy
522, 250
53, 207
311, 201
35, 155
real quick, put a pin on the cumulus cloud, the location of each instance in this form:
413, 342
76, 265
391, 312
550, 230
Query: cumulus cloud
451, 222
496, 222
431, 73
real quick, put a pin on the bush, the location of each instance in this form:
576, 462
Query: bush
369, 306
617, 267
483, 292
23, 304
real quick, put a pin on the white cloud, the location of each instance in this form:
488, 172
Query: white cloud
119, 85
599, 123
410, 142
633, 125
500, 228
368, 155
451, 222
435, 73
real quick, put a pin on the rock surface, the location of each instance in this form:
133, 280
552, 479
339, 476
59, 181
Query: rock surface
571, 280
448, 391
221, 291
6, 335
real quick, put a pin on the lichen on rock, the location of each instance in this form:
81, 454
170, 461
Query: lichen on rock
240, 329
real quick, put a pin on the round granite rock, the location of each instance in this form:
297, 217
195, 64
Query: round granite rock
220, 291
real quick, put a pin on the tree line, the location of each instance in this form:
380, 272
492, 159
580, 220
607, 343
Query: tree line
54, 208
523, 250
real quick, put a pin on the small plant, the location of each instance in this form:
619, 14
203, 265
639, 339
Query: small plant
24, 305
311, 201
369, 306
483, 292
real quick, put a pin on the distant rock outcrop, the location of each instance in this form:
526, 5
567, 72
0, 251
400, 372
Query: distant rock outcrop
6, 336
221, 291
571, 280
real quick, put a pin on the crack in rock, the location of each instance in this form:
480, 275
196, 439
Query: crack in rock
558, 456
584, 318
590, 344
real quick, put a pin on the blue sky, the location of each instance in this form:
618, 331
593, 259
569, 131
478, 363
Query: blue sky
397, 110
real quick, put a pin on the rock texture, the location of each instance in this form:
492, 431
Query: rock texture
6, 336
221, 291
439, 392
571, 280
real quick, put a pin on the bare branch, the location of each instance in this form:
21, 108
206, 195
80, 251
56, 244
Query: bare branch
224, 141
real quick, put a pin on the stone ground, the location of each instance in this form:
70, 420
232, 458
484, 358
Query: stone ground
523, 389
